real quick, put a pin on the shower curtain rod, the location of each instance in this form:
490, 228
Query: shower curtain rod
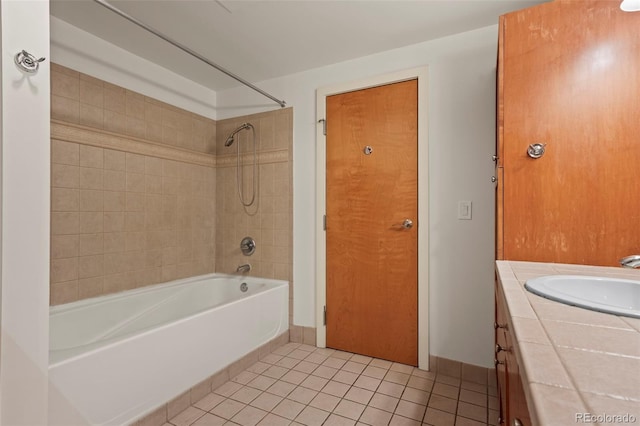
189, 51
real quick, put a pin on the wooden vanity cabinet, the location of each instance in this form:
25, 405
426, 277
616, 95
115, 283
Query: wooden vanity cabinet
512, 401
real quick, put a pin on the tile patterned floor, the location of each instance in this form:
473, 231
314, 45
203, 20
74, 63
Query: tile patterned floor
304, 385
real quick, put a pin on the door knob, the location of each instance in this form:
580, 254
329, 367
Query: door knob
406, 224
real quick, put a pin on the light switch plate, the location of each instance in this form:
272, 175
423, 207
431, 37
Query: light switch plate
464, 210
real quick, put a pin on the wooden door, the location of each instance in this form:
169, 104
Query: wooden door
570, 79
372, 288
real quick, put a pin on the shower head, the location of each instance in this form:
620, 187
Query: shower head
230, 139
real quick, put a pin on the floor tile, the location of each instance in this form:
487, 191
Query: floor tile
316, 358
302, 395
359, 395
435, 417
288, 409
473, 412
262, 382
402, 368
208, 402
443, 403
271, 358
381, 363
325, 372
187, 417
312, 416
448, 380
410, 410
345, 377
314, 383
305, 367
420, 383
275, 372
463, 421
384, 402
281, 388
325, 402
335, 388
361, 359
349, 409
335, 420
415, 395
228, 389
228, 408
375, 372
266, 401
474, 387
209, 420
368, 383
396, 377
375, 417
249, 416
353, 367
300, 385
273, 420
391, 389
342, 355
259, 367
445, 390
473, 397
295, 377
244, 377
334, 362
299, 354
246, 394
287, 362
397, 420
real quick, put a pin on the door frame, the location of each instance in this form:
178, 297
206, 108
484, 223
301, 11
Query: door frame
420, 74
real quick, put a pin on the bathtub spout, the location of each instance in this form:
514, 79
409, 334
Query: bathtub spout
243, 269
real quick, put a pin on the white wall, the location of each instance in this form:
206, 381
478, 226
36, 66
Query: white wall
24, 354
461, 142
84, 52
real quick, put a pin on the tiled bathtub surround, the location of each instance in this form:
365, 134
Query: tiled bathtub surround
572, 360
270, 224
81, 99
144, 192
303, 385
119, 219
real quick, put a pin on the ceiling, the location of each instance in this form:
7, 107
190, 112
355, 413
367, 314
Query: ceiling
259, 40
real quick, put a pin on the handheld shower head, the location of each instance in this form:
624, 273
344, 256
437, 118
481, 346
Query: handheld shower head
230, 139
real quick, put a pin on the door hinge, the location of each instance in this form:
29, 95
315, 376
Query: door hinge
324, 126
324, 316
324, 222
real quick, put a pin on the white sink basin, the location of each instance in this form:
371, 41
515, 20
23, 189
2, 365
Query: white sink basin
610, 295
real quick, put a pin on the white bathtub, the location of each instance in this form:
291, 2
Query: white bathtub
116, 358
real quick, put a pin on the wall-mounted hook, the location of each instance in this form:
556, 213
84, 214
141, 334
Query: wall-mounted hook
27, 62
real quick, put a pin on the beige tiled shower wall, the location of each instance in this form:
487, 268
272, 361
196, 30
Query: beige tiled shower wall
269, 221
121, 220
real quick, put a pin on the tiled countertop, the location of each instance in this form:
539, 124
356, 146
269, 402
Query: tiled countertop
574, 362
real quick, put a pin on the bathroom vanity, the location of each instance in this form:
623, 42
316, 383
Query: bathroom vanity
559, 364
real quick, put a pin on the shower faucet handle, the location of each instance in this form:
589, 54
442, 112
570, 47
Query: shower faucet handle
247, 246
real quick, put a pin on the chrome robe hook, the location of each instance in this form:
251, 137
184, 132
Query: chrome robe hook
27, 62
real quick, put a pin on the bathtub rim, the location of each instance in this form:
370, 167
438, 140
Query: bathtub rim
151, 287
